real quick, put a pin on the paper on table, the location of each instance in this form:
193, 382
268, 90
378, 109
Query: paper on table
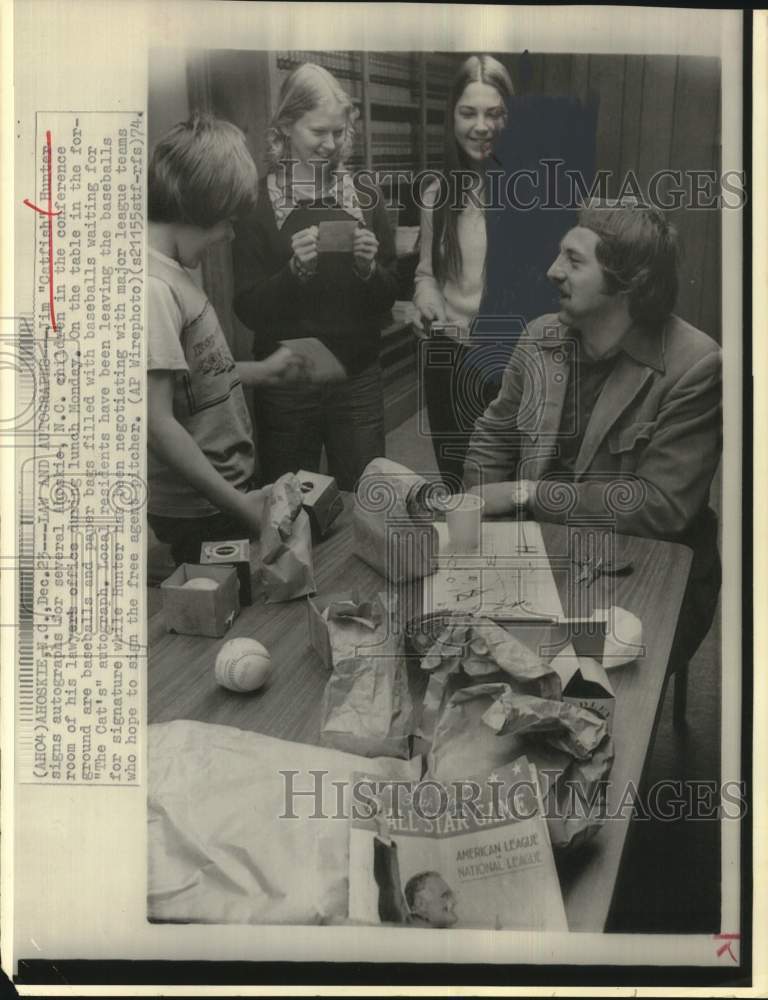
323, 364
509, 577
218, 853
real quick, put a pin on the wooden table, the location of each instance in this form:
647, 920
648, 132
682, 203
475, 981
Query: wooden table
182, 685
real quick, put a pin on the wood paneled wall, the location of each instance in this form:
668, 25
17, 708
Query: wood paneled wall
655, 113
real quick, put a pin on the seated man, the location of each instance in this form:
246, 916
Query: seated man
610, 411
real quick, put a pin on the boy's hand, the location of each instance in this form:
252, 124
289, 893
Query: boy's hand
304, 245
285, 366
254, 509
365, 246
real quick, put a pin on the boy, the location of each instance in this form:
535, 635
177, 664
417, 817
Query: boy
201, 462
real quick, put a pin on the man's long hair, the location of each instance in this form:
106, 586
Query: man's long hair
450, 198
637, 251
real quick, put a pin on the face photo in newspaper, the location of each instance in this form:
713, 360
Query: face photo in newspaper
404, 421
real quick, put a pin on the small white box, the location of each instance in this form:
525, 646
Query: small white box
321, 500
200, 612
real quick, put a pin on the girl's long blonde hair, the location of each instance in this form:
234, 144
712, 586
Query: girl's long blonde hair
308, 87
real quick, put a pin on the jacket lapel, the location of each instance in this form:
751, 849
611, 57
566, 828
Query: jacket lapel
621, 387
549, 379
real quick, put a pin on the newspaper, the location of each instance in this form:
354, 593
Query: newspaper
88, 89
488, 866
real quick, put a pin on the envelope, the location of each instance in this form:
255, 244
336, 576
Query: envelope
336, 237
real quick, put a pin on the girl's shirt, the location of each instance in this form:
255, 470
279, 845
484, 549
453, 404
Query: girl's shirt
335, 305
460, 297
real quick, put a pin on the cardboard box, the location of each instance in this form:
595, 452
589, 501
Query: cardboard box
200, 612
321, 500
585, 683
236, 553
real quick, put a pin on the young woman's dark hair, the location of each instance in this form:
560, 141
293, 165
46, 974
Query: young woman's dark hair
638, 254
453, 193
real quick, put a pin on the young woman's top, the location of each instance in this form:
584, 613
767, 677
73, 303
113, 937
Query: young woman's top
335, 304
459, 298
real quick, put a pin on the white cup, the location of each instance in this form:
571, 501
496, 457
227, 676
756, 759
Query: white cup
464, 517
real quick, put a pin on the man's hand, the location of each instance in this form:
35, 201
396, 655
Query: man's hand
382, 827
365, 246
505, 498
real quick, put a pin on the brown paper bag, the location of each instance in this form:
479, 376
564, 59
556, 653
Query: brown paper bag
286, 544
485, 726
367, 707
393, 532
467, 651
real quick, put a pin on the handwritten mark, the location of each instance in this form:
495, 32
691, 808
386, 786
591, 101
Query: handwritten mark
728, 939
49, 213
468, 594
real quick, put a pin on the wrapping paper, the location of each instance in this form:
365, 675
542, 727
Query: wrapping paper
218, 853
367, 707
286, 544
466, 651
396, 541
486, 726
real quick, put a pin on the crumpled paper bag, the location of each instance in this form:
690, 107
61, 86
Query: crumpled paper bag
572, 792
485, 726
367, 707
391, 532
218, 851
346, 607
286, 543
470, 649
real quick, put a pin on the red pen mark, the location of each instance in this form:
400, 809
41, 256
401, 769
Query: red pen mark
49, 213
728, 938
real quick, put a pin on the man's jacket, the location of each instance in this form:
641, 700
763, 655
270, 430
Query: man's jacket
650, 449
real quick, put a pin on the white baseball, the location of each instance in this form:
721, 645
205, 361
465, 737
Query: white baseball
242, 665
201, 583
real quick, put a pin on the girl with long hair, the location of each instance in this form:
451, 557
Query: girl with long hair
450, 275
288, 285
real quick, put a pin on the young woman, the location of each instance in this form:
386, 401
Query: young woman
451, 270
291, 284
